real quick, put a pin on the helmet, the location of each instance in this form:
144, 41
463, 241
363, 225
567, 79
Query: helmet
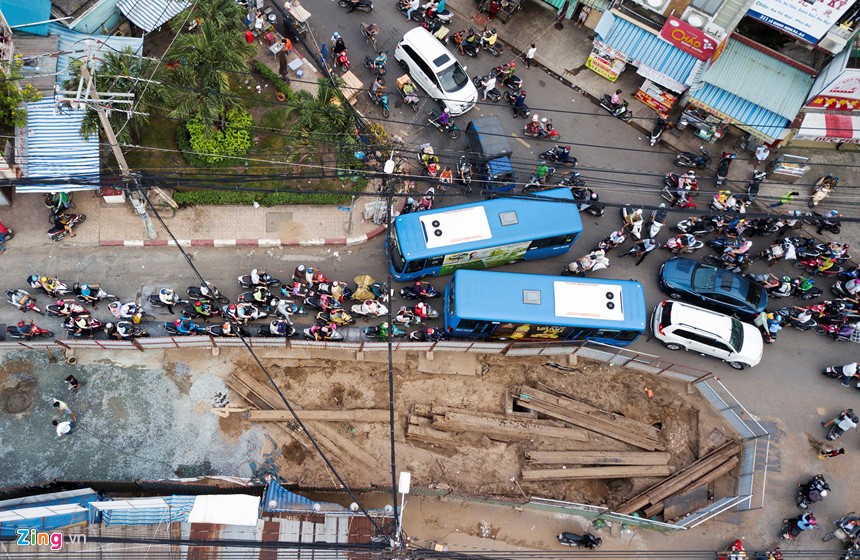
544, 120
471, 30
410, 200
513, 65
21, 323
108, 326
567, 148
430, 330
310, 270
44, 278
691, 174
823, 493
446, 110
301, 268
177, 322
535, 118
61, 302
599, 253
522, 92
232, 307
786, 279
336, 35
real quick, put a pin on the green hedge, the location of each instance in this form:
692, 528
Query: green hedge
187, 198
227, 142
273, 77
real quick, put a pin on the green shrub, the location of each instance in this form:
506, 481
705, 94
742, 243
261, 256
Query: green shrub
273, 77
187, 198
225, 144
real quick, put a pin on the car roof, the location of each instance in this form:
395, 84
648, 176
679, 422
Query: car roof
430, 47
700, 318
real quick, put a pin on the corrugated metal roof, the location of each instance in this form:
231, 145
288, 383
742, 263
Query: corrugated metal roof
17, 12
150, 14
145, 511
753, 75
649, 49
73, 42
745, 112
53, 149
40, 61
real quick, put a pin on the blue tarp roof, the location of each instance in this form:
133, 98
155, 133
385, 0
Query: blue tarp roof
647, 48
144, 511
278, 498
18, 12
46, 512
74, 42
53, 149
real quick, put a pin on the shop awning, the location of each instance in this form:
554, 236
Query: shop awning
642, 47
751, 74
736, 110
829, 128
150, 14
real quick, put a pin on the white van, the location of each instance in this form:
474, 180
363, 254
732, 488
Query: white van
434, 68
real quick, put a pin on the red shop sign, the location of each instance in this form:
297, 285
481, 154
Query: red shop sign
689, 39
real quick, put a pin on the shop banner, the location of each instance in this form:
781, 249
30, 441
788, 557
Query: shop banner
832, 103
805, 19
609, 69
843, 93
689, 39
655, 97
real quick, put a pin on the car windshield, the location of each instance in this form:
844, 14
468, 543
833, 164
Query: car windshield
754, 294
704, 278
737, 339
453, 78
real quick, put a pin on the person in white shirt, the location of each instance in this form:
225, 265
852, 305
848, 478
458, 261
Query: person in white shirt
530, 55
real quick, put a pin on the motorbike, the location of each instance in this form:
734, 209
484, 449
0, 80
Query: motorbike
208, 292
738, 264
848, 418
549, 133
519, 111
428, 335
776, 287
205, 311
332, 336
286, 308
846, 373
450, 129
553, 155
803, 247
426, 292
368, 309
218, 330
594, 261
792, 527
536, 184
365, 6
481, 81
416, 15
469, 48
818, 265
341, 60
813, 491
52, 286
444, 16
586, 540
265, 280
252, 315
130, 330
677, 198
274, 329
193, 329
723, 167
847, 529
383, 332
32, 332
337, 316
96, 293
155, 300
377, 70
840, 291
613, 240
63, 224
588, 201
671, 181
512, 82
22, 300
658, 220
754, 185
633, 220
684, 243
495, 49
426, 202
762, 226
829, 223
326, 304
260, 296
697, 226
657, 131
573, 179
822, 189
621, 110
382, 101
130, 311
798, 318
66, 309
92, 326
689, 159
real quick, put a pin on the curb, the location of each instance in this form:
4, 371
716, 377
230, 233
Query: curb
243, 242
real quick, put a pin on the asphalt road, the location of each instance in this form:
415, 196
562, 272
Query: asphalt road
786, 387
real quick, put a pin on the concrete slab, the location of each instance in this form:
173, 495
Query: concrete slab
449, 363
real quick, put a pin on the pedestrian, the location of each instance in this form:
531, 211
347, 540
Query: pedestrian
648, 245
65, 427
583, 15
489, 85
826, 453
4, 232
73, 383
288, 45
61, 406
786, 198
530, 55
761, 154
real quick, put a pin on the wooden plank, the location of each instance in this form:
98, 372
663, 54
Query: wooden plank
268, 395
692, 473
565, 402
586, 473
355, 415
594, 425
651, 495
704, 481
337, 444
429, 435
504, 426
597, 458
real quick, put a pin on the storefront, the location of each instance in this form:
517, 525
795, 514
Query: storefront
829, 128
666, 68
585, 12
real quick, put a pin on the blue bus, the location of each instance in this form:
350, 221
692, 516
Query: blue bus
483, 234
536, 307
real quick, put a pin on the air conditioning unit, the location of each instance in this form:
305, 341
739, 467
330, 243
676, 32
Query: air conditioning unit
696, 18
658, 6
715, 31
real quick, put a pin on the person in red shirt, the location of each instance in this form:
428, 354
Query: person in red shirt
4, 234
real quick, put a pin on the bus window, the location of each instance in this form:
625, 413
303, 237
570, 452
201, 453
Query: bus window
605, 333
435, 261
397, 260
551, 242
415, 266
627, 336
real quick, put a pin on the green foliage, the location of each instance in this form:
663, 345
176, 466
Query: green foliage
200, 84
14, 93
224, 15
116, 73
223, 144
276, 80
262, 198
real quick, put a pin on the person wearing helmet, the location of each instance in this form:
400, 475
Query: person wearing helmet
110, 330
244, 313
520, 98
488, 38
421, 309
541, 171
533, 126
81, 324
616, 97
26, 329
444, 118
88, 296
202, 308
261, 294
168, 297
743, 246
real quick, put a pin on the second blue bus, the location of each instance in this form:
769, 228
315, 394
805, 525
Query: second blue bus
483, 234
537, 307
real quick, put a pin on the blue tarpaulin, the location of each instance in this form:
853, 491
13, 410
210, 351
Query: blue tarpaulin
19, 12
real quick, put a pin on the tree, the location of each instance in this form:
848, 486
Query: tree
118, 73
200, 83
223, 14
14, 94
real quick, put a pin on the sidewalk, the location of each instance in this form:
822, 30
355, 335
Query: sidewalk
214, 226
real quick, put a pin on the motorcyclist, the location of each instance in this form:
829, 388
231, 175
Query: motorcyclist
380, 60
533, 127
371, 307
742, 248
26, 329
469, 42
444, 118
852, 287
428, 156
324, 332
562, 153
520, 98
615, 99
168, 297
203, 308
465, 170
421, 310
488, 37
81, 324
260, 277
405, 315
184, 325
67, 307
124, 330
506, 72
245, 312
227, 329
544, 127
19, 298
687, 181
111, 331
61, 201
207, 289
278, 327
409, 94
261, 294
338, 44
128, 310
421, 288
383, 331
541, 171
806, 521
48, 284
377, 88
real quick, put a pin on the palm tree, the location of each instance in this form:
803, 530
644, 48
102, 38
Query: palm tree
223, 14
201, 82
121, 72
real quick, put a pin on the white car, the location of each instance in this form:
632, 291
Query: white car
680, 325
434, 68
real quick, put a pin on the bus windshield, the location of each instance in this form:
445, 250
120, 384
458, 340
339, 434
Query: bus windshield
397, 260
